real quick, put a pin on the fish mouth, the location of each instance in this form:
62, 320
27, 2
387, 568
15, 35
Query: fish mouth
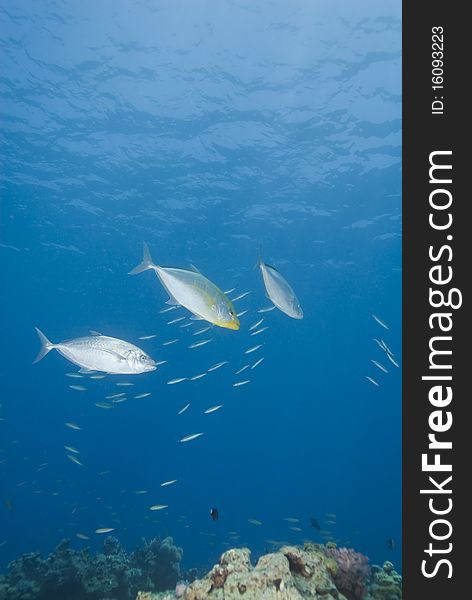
231, 325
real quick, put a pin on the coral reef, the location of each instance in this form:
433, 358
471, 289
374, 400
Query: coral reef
292, 573
68, 574
385, 583
352, 572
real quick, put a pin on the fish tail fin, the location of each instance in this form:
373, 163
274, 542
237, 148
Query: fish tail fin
46, 346
145, 264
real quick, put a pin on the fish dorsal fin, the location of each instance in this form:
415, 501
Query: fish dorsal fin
95, 333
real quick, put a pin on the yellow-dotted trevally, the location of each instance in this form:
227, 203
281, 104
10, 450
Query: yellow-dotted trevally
100, 353
280, 292
193, 291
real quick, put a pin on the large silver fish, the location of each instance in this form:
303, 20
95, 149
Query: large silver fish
193, 291
279, 291
100, 353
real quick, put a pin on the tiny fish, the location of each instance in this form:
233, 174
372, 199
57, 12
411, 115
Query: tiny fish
199, 376
379, 343
392, 360
119, 400
257, 363
79, 388
97, 376
258, 331
256, 325
198, 344
379, 365
161, 362
82, 536
74, 375
254, 521
371, 380
169, 308
380, 322
241, 369
170, 342
124, 384
140, 491
158, 506
178, 380
170, 482
185, 325
113, 396
200, 331
104, 530
74, 459
212, 409
267, 309
390, 543
296, 528
243, 295
193, 436
383, 345
217, 366
72, 425
291, 520
104, 404
182, 410
176, 320
240, 383
229, 291
253, 349
147, 337
240, 314
143, 395
72, 449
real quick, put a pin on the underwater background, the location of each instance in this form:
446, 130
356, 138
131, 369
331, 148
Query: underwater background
216, 132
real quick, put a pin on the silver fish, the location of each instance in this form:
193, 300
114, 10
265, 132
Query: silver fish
100, 353
371, 380
193, 436
380, 322
193, 291
253, 349
280, 292
379, 365
256, 325
392, 360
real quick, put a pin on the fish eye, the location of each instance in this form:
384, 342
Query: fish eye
142, 357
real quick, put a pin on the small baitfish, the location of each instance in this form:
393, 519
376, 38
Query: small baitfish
100, 353
280, 292
193, 291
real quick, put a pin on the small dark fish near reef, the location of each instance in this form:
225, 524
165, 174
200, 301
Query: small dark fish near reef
390, 543
214, 514
314, 523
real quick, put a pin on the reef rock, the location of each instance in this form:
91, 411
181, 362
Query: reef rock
385, 583
292, 573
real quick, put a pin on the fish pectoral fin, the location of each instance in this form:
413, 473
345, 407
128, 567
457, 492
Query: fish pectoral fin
84, 370
120, 357
196, 318
93, 332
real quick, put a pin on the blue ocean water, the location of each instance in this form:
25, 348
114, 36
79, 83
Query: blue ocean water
213, 131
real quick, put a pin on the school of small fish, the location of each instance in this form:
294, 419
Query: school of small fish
101, 358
